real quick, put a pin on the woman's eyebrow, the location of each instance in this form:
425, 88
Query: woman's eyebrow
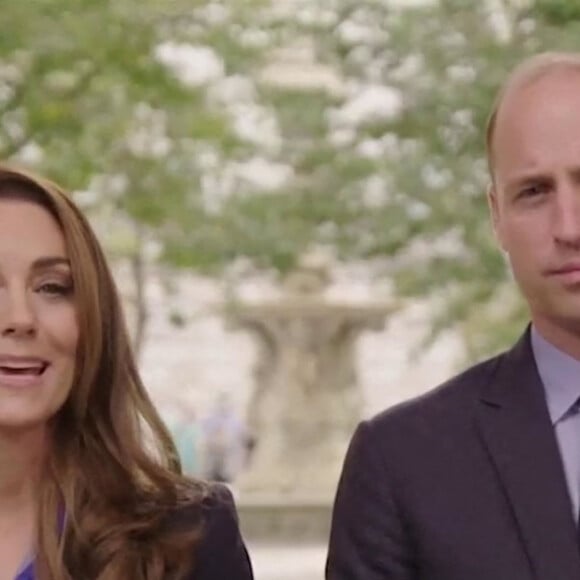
49, 261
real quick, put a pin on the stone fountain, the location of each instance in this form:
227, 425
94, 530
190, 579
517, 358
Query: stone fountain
305, 404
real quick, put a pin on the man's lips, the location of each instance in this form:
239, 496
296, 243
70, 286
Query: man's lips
567, 274
570, 268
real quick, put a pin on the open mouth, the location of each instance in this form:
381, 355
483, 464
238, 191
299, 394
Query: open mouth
30, 370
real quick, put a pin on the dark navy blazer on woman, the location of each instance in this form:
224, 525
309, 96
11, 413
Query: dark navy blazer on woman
221, 555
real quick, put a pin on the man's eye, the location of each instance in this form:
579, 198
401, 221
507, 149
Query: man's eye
533, 190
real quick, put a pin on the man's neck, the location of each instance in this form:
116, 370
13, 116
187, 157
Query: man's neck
565, 339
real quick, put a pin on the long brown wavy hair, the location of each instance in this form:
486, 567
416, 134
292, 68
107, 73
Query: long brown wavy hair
113, 479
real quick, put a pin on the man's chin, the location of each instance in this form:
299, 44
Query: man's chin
565, 316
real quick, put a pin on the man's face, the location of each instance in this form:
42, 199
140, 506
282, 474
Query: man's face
535, 201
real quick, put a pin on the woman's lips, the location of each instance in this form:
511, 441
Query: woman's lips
22, 373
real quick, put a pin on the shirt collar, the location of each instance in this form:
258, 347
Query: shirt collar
560, 374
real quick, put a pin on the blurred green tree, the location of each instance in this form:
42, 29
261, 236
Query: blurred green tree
198, 133
106, 98
388, 160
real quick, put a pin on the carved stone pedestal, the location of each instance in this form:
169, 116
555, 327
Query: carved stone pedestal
276, 519
305, 405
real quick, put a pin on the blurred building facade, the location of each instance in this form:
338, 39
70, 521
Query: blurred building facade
195, 362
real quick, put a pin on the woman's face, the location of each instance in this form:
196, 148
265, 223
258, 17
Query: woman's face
38, 325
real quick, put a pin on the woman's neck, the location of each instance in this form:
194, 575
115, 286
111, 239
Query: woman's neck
22, 456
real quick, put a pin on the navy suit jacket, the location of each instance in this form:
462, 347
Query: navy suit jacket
463, 483
222, 554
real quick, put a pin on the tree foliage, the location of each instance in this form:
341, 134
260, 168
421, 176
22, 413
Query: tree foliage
356, 125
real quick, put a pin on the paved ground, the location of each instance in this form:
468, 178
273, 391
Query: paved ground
284, 562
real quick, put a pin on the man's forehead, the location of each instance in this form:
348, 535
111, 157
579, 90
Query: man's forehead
542, 90
537, 129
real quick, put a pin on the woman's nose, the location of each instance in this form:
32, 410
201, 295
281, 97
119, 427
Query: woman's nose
17, 316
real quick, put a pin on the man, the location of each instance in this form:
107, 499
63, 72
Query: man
480, 478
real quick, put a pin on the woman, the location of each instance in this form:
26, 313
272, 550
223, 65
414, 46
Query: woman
90, 483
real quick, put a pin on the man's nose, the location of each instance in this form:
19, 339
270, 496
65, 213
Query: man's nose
567, 216
17, 316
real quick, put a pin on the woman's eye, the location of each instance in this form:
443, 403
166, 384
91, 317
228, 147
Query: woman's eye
55, 289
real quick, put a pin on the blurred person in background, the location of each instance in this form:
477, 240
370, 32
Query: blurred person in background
183, 425
225, 441
480, 478
90, 483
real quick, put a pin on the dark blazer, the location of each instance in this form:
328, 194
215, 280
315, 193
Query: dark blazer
221, 554
463, 483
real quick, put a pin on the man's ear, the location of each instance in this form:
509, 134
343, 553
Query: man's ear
494, 212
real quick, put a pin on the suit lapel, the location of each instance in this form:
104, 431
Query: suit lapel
517, 431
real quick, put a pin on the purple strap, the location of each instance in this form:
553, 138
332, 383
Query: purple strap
28, 572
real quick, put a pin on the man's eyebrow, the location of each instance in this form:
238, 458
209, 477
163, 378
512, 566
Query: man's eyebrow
50, 261
528, 179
